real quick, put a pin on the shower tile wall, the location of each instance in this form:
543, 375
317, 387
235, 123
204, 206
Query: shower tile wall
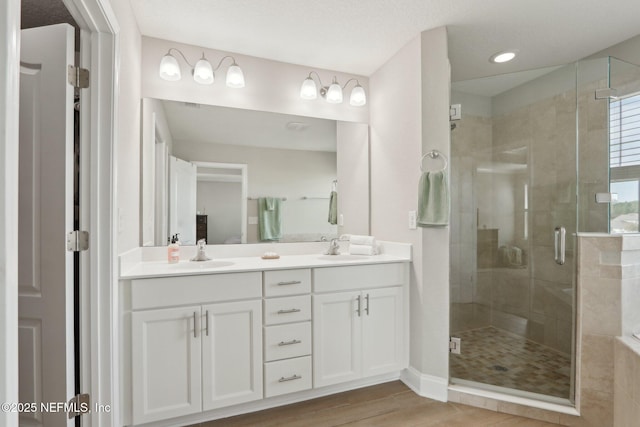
545, 132
472, 145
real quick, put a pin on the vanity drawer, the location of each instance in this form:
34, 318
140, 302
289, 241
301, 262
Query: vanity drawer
287, 341
183, 290
287, 376
331, 279
287, 309
287, 282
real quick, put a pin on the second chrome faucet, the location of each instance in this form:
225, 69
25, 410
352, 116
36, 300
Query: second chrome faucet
200, 253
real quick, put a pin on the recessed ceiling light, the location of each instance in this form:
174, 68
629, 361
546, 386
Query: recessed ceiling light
502, 57
297, 126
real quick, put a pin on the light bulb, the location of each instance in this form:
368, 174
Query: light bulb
169, 68
308, 89
203, 73
334, 93
235, 77
358, 97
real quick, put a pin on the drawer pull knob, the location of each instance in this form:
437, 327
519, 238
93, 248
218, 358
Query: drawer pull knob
291, 378
291, 282
283, 343
292, 310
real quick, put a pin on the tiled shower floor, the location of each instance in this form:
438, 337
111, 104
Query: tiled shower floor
492, 356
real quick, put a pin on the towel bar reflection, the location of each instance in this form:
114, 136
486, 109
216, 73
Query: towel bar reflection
434, 154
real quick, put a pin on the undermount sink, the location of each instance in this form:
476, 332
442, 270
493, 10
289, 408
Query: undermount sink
343, 257
190, 265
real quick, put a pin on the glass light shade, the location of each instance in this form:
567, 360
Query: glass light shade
358, 97
308, 89
203, 73
169, 68
334, 94
235, 77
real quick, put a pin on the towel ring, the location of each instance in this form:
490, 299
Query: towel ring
434, 154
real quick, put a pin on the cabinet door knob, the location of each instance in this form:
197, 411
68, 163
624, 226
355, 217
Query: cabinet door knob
367, 306
359, 310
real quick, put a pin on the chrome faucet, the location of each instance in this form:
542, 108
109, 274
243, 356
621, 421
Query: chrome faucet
334, 248
200, 254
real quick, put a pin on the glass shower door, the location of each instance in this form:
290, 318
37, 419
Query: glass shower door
514, 172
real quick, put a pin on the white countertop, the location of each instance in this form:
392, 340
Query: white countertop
156, 268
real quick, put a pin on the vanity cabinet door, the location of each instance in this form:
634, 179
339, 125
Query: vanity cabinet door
382, 331
337, 338
166, 363
231, 353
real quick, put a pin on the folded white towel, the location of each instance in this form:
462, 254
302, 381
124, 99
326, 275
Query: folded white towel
362, 249
362, 240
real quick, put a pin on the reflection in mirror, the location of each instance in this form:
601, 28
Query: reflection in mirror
206, 170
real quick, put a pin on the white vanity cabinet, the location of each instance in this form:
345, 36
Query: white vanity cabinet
166, 363
205, 353
203, 346
287, 331
359, 322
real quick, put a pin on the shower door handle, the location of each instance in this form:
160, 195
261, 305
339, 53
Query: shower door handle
560, 244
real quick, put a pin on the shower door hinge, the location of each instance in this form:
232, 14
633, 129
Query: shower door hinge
78, 405
78, 77
606, 93
455, 112
77, 241
454, 345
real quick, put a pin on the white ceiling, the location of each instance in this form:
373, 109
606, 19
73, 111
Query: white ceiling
221, 125
358, 36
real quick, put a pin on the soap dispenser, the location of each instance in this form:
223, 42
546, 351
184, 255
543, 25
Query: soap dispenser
173, 250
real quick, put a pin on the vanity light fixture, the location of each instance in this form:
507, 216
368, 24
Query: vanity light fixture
502, 57
332, 93
202, 71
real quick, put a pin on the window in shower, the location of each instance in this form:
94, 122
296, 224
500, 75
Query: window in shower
624, 161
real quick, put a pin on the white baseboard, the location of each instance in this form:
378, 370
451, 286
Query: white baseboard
424, 385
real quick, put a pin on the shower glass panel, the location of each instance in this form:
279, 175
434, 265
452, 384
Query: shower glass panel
623, 122
514, 169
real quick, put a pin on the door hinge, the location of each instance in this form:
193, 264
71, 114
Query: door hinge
454, 345
77, 241
606, 93
78, 77
455, 112
78, 405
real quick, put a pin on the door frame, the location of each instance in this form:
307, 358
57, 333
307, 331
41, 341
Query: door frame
100, 54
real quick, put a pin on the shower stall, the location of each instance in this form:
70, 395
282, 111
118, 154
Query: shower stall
529, 157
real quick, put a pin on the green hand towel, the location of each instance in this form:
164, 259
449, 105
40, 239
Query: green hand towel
270, 220
433, 200
333, 208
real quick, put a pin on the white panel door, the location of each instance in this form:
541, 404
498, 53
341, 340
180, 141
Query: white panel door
231, 353
382, 332
166, 363
45, 269
183, 181
337, 324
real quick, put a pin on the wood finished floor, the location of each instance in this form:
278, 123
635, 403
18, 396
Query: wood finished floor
391, 404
